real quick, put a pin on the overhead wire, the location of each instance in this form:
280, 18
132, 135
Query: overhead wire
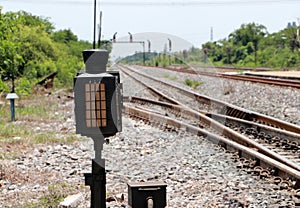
156, 3
195, 3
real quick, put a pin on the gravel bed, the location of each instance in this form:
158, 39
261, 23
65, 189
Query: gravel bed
279, 102
162, 88
197, 172
133, 88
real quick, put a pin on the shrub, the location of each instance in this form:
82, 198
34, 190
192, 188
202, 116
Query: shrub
24, 87
3, 86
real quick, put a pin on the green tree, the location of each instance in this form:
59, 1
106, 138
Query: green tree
249, 35
30, 49
9, 58
27, 19
64, 36
251, 45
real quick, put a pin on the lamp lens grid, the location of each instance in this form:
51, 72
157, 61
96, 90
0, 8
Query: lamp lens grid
95, 102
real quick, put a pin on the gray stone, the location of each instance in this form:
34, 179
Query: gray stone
72, 201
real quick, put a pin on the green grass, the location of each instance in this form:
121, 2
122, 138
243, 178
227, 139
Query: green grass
35, 117
55, 194
37, 108
193, 83
13, 133
9, 130
4, 113
173, 78
167, 76
50, 138
29, 113
40, 110
240, 71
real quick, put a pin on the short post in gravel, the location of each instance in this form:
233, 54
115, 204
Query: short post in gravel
98, 102
11, 97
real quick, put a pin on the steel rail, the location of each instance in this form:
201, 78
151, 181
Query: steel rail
271, 81
264, 80
222, 130
281, 169
291, 136
153, 90
263, 128
226, 108
223, 119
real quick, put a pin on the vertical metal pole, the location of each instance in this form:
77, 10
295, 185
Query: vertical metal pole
100, 30
170, 48
97, 179
12, 109
144, 55
98, 190
149, 46
94, 42
12, 101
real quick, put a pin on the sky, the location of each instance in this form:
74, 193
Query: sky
196, 21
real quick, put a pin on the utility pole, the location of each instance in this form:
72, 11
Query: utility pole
144, 53
170, 49
100, 30
298, 20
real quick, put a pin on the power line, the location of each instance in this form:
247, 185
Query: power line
196, 3
155, 3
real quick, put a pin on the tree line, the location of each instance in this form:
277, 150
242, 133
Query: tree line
31, 49
250, 46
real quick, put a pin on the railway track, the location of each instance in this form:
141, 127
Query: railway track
208, 104
261, 159
264, 80
269, 150
283, 142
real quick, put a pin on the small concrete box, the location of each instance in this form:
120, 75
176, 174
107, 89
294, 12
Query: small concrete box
139, 193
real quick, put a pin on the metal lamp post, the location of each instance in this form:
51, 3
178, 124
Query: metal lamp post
130, 37
115, 37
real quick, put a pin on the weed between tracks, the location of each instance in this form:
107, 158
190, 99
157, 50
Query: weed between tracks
172, 78
193, 83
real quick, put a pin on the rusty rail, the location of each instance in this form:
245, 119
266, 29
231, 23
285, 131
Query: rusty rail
264, 80
221, 129
273, 160
224, 108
